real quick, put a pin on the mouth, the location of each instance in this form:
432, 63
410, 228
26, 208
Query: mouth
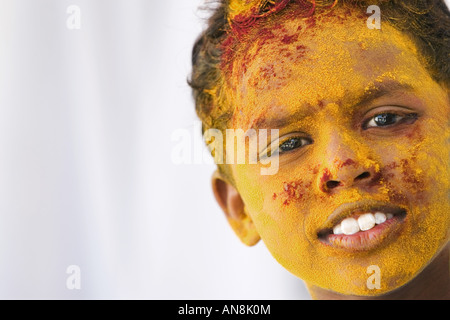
362, 226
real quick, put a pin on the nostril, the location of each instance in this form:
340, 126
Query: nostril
363, 176
332, 184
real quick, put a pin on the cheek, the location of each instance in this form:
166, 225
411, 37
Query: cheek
405, 181
296, 192
408, 179
286, 203
292, 191
417, 180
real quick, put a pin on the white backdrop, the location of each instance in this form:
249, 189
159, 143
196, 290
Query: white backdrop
87, 178
86, 118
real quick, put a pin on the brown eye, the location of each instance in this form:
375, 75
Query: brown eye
293, 143
285, 145
388, 119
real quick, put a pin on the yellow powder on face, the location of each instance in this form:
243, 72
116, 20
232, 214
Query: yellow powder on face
315, 80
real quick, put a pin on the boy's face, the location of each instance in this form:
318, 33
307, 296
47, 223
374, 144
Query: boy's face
363, 129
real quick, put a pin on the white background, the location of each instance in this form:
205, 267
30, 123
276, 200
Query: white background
86, 175
86, 118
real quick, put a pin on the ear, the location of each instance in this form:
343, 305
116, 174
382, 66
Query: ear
232, 205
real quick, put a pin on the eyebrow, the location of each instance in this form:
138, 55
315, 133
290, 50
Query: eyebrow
279, 122
372, 92
381, 89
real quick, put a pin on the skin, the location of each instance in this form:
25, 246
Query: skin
322, 83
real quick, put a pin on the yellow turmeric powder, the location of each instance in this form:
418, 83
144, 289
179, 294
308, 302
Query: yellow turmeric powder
324, 74
363, 129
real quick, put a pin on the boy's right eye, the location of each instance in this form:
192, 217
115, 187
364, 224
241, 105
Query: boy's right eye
285, 145
293, 143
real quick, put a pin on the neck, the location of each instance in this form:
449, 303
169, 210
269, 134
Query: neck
433, 283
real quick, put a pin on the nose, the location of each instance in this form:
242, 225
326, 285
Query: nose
351, 178
342, 168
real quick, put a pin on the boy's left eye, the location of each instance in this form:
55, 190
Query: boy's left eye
388, 119
384, 119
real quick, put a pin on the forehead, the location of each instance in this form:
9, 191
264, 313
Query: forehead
333, 58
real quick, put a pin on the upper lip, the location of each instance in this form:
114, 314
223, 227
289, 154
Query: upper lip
348, 209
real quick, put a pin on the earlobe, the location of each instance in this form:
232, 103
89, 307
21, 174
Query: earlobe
233, 206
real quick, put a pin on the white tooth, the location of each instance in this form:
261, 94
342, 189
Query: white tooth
349, 226
380, 217
389, 216
337, 229
366, 221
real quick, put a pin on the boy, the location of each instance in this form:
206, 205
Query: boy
359, 206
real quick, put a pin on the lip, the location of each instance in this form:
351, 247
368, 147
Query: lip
380, 235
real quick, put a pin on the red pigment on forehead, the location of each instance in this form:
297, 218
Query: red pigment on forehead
274, 75
240, 40
227, 48
237, 55
288, 39
258, 123
311, 22
243, 22
264, 34
303, 9
233, 44
285, 53
267, 72
301, 51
